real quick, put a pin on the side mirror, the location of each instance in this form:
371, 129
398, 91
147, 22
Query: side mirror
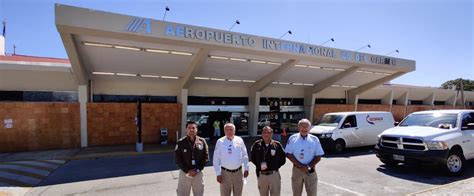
470, 126
347, 125
396, 123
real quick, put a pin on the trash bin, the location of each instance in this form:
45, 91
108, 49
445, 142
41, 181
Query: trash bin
163, 135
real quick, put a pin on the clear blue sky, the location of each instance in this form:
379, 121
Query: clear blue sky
439, 35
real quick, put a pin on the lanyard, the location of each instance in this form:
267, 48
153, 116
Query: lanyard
192, 145
265, 150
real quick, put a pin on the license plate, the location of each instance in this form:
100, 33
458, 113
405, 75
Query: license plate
398, 157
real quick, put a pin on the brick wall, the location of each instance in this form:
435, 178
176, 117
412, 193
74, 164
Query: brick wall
416, 108
443, 107
374, 107
114, 123
39, 126
111, 123
160, 115
321, 109
398, 112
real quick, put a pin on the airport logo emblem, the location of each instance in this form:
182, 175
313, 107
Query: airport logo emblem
373, 120
138, 25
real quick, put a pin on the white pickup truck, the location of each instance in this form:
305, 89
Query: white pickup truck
439, 138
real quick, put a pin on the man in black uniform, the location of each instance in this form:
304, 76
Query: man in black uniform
268, 156
191, 154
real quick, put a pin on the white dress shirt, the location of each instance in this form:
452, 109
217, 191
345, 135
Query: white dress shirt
230, 154
304, 149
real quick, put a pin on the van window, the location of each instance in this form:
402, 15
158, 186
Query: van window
330, 120
351, 120
467, 118
430, 120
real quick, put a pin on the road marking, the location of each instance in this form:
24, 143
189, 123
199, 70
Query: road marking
338, 187
23, 173
441, 186
29, 165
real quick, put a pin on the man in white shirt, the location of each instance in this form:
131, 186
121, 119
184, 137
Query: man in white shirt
229, 155
304, 151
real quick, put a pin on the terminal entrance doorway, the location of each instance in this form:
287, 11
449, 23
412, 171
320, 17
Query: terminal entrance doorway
217, 119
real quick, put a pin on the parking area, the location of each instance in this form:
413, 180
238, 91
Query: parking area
356, 172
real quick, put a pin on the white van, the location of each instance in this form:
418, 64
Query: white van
435, 138
340, 130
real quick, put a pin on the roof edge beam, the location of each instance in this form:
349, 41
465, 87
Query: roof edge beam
193, 67
79, 71
331, 80
274, 75
352, 94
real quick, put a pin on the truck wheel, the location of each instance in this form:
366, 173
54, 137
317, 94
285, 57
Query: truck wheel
454, 165
339, 146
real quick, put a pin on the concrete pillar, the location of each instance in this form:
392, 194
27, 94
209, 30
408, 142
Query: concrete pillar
183, 99
452, 100
430, 100
254, 108
352, 99
309, 99
388, 99
83, 99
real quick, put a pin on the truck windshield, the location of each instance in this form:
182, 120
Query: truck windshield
330, 120
431, 120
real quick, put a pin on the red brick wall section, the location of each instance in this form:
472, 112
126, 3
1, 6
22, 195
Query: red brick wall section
114, 123
367, 107
111, 123
321, 109
443, 107
416, 108
398, 112
160, 115
39, 126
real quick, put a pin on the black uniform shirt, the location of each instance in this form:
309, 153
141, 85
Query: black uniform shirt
261, 153
186, 151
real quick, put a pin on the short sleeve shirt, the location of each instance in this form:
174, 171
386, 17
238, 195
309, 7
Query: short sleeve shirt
304, 149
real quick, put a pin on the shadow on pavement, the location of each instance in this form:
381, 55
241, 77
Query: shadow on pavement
428, 175
111, 167
351, 152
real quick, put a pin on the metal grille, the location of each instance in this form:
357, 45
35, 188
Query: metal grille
403, 143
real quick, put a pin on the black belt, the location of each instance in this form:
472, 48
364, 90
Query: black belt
231, 170
310, 170
268, 172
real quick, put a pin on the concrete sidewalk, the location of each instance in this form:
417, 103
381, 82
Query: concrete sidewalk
85, 153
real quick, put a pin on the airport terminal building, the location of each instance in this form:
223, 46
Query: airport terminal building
182, 72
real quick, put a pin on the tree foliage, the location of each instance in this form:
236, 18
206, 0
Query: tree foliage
468, 84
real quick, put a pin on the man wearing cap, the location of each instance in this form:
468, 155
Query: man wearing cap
304, 151
230, 154
191, 154
268, 156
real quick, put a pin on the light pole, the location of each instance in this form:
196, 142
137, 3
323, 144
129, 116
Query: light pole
167, 9
237, 22
397, 51
330, 40
365, 46
288, 32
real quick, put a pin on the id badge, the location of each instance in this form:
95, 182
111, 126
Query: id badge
272, 152
263, 165
193, 162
